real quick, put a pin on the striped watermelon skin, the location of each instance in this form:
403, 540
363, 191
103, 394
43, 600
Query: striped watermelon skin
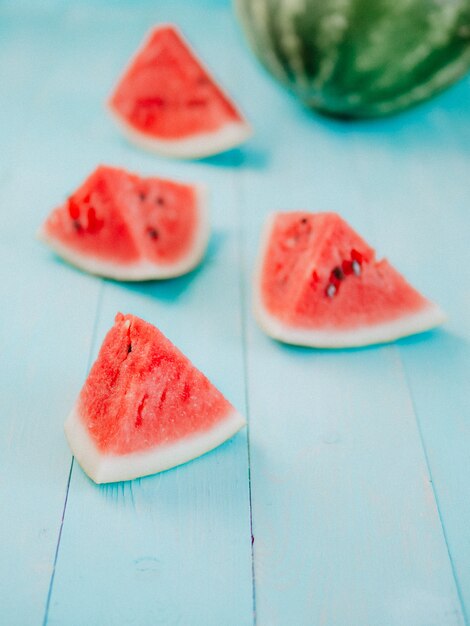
360, 58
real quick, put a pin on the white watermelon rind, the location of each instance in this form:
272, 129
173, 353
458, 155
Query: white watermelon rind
410, 324
109, 468
197, 146
142, 270
426, 319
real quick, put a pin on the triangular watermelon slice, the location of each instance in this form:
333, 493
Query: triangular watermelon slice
319, 284
167, 102
144, 407
125, 227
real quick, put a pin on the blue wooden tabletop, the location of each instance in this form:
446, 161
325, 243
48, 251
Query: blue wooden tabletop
347, 500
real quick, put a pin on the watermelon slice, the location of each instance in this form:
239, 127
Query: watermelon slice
144, 407
319, 284
125, 227
167, 102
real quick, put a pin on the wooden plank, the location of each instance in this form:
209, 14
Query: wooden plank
345, 520
346, 528
175, 547
23, 66
437, 367
47, 314
186, 554
428, 153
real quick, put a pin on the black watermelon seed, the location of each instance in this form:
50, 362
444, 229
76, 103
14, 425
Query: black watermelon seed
152, 233
338, 273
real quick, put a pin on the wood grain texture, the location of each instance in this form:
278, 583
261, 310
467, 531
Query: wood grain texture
358, 459
178, 543
173, 548
430, 156
42, 359
345, 521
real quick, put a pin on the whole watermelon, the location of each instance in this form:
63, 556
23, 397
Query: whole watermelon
360, 58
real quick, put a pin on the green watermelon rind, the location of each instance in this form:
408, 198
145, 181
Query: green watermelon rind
109, 468
338, 61
411, 324
197, 146
143, 270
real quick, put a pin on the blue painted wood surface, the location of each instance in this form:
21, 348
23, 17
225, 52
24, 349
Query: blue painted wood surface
354, 475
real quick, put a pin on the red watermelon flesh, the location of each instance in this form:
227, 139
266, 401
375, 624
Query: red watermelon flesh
320, 284
144, 407
122, 226
166, 101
